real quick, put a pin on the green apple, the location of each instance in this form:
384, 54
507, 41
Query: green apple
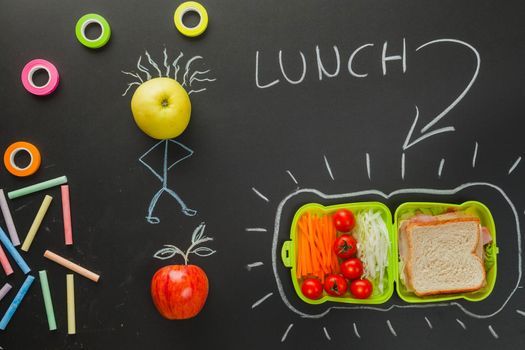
161, 108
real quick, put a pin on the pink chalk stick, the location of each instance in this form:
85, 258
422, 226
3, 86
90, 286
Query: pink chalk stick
5, 263
66, 212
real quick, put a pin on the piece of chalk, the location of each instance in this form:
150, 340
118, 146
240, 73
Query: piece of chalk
8, 219
66, 213
5, 263
37, 187
71, 323
48, 302
71, 265
16, 302
5, 289
13, 252
36, 222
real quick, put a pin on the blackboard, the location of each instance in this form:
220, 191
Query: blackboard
253, 146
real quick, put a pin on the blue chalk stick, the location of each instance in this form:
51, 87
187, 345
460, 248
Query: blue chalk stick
13, 252
16, 302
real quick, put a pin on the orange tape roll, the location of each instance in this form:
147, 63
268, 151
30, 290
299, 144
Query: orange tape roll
12, 151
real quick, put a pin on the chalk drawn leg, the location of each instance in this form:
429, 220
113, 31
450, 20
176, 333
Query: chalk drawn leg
154, 219
185, 210
153, 203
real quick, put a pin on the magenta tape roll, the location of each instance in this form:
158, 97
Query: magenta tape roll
30, 69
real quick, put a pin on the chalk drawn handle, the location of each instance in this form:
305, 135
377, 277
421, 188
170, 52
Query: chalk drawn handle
286, 253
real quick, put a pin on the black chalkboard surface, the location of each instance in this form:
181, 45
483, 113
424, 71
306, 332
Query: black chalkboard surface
334, 96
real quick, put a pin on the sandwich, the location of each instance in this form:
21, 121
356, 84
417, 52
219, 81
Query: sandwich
442, 254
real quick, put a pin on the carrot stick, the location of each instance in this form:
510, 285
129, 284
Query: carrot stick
313, 256
326, 249
318, 250
320, 246
335, 262
320, 243
328, 244
306, 247
299, 252
302, 248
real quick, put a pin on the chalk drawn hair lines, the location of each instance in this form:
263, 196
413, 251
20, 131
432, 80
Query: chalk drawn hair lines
190, 79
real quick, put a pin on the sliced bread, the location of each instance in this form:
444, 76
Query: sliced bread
443, 256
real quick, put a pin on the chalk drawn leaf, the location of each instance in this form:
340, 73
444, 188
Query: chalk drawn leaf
166, 253
204, 251
198, 233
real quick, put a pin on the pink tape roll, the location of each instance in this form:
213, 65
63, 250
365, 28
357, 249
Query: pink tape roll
30, 69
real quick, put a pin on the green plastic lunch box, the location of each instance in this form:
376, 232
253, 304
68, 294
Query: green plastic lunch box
392, 275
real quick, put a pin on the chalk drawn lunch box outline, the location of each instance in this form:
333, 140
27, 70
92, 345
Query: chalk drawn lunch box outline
403, 191
392, 276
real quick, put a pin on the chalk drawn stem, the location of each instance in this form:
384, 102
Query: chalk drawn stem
169, 251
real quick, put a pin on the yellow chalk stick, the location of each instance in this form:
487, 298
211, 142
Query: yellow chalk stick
71, 323
36, 223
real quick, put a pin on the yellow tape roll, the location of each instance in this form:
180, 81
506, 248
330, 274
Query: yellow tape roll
191, 6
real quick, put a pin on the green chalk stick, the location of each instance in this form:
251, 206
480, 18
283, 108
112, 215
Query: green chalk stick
37, 187
48, 303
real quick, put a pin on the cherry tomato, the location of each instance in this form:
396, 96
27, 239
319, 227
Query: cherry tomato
312, 288
335, 285
352, 268
361, 289
345, 246
344, 220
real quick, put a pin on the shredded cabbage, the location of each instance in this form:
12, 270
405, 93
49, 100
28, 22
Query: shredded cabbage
373, 246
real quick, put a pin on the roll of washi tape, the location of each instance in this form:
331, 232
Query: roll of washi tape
191, 6
31, 68
13, 150
84, 22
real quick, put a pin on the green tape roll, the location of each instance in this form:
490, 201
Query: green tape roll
80, 31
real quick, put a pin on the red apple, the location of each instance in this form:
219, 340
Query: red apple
179, 291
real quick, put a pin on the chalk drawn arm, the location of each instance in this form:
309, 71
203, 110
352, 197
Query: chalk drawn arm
141, 159
186, 148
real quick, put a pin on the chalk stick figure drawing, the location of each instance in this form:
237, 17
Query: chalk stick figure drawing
189, 78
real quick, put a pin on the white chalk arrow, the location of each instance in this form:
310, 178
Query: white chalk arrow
424, 130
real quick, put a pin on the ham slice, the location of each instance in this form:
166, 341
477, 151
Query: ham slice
487, 238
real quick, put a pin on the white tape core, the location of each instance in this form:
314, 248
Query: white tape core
88, 22
190, 9
15, 152
33, 71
